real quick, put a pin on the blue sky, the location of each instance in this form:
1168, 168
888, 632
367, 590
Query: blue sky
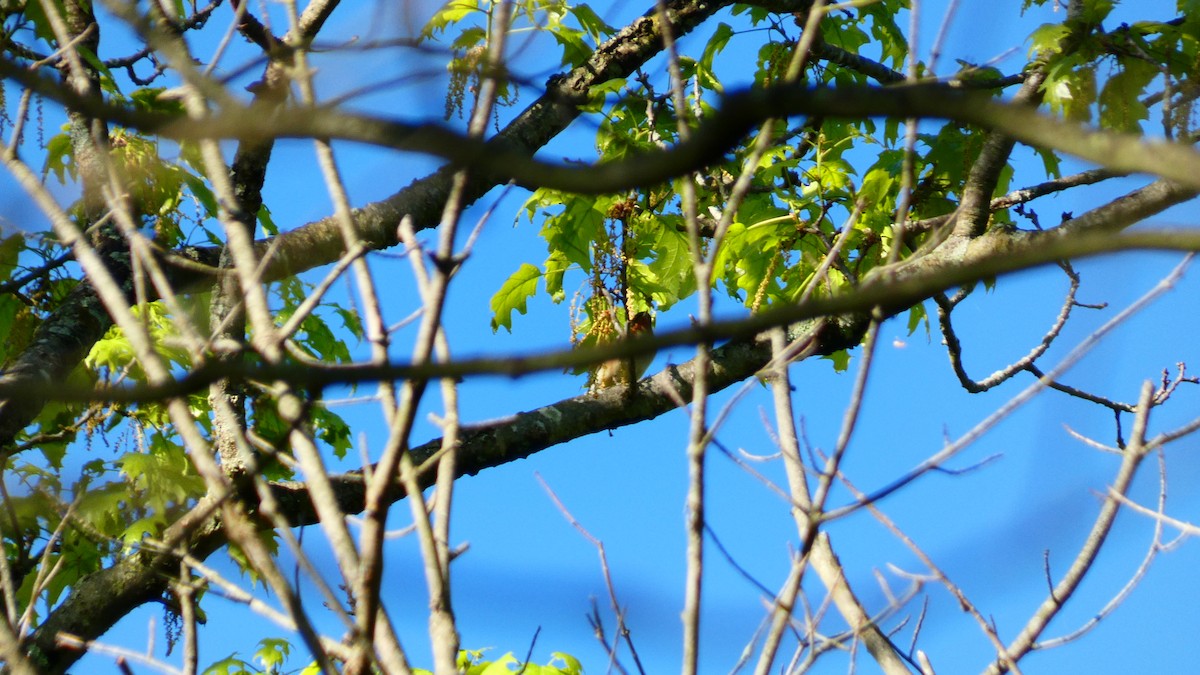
527, 568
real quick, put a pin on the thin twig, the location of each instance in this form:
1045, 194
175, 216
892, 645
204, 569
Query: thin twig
975, 433
1135, 452
954, 347
622, 628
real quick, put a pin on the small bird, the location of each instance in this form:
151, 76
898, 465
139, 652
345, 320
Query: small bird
624, 371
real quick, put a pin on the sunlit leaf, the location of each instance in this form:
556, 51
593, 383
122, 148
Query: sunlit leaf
513, 296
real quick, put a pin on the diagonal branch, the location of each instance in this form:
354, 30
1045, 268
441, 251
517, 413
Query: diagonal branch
894, 288
509, 155
506, 440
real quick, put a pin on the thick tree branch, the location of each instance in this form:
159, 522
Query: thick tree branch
65, 338
492, 444
974, 208
509, 155
99, 600
960, 261
509, 158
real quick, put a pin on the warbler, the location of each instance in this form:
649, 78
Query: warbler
624, 371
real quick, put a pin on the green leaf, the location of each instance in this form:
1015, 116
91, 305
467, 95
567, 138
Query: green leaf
887, 34
350, 321
1071, 91
10, 307
59, 159
102, 508
230, 665
1095, 11
598, 93
163, 476
272, 652
107, 82
556, 267
1120, 106
844, 32
573, 230
671, 267
150, 99
501, 666
468, 657
716, 44
1050, 161
204, 195
332, 430
591, 22
10, 249
575, 50
141, 528
513, 295
840, 360
468, 38
319, 340
571, 665
878, 186
1047, 39
41, 24
264, 214
916, 317
452, 12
